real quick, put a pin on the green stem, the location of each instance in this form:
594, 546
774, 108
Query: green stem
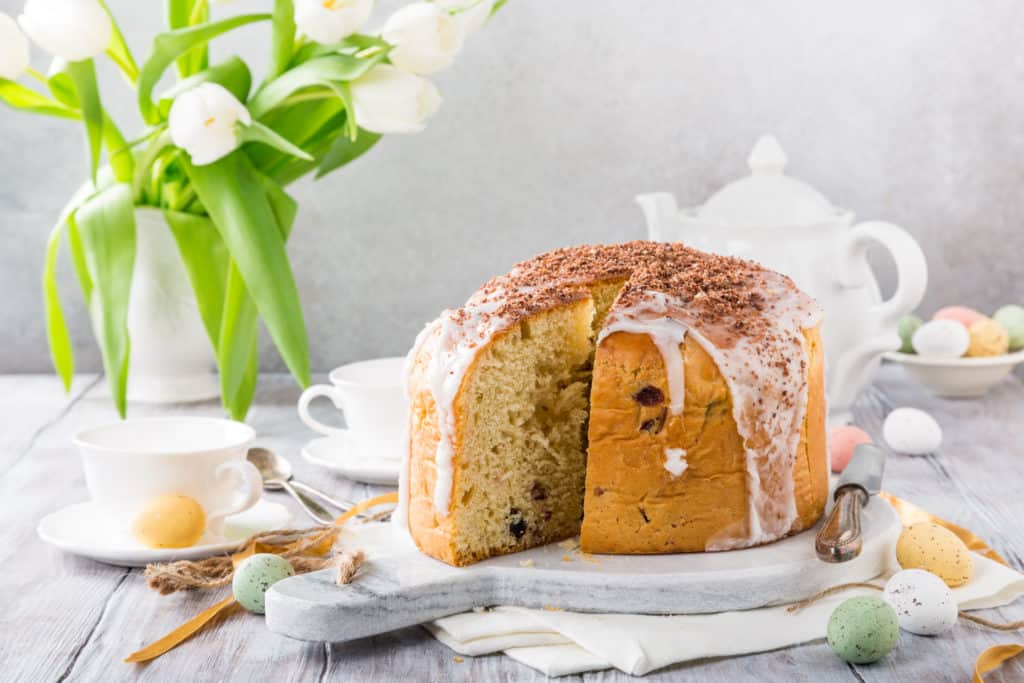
119, 151
198, 13
38, 76
306, 97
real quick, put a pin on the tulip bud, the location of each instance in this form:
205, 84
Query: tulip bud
472, 14
13, 49
389, 100
202, 122
425, 37
71, 29
328, 21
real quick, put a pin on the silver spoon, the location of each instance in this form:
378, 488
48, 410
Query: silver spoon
277, 474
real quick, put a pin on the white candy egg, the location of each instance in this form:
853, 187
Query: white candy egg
913, 431
923, 602
942, 338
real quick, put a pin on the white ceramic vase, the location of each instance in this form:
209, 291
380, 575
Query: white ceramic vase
172, 360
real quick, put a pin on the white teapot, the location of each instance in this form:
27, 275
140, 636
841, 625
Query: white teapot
790, 227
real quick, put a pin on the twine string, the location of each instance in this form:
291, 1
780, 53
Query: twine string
996, 625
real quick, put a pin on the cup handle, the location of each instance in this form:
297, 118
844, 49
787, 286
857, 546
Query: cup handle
248, 488
307, 397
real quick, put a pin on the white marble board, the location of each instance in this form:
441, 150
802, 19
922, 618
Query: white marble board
399, 586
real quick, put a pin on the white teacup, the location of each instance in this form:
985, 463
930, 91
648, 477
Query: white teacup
128, 464
369, 394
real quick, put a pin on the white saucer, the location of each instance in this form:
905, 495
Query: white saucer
79, 529
331, 452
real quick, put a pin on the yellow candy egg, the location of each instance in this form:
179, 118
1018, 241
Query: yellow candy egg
937, 550
988, 338
170, 521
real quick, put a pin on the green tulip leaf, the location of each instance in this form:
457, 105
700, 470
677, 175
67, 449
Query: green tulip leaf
351, 45
83, 75
257, 132
170, 45
343, 150
284, 37
118, 50
106, 228
183, 14
316, 72
206, 262
57, 335
308, 124
17, 96
239, 334
235, 199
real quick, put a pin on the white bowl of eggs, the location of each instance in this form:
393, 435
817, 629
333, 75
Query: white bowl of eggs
961, 353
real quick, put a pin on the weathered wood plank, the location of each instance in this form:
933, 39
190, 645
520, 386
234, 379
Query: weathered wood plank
30, 404
71, 618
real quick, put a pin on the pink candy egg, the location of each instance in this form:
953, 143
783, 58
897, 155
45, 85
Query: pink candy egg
841, 442
961, 314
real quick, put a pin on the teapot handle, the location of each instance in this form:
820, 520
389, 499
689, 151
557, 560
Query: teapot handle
911, 268
912, 278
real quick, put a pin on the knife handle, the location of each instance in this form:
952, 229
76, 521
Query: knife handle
840, 538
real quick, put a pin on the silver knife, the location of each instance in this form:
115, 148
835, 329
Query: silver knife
840, 539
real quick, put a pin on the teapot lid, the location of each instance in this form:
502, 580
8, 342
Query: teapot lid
767, 197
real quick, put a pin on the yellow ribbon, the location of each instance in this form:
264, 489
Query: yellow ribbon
992, 658
228, 604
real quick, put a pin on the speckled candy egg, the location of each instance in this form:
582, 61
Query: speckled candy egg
961, 314
935, 549
941, 338
170, 521
906, 328
923, 602
988, 338
841, 442
255, 575
863, 630
1012, 318
912, 431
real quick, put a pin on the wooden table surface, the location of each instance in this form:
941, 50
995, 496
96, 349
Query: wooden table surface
67, 618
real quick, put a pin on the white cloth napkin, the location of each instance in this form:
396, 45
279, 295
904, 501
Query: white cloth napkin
560, 643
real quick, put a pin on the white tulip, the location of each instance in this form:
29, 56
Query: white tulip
328, 21
389, 100
71, 29
13, 49
203, 122
472, 14
425, 37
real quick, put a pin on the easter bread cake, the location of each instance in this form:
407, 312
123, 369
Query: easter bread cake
649, 397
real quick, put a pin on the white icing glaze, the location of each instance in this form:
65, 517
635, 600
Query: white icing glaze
675, 461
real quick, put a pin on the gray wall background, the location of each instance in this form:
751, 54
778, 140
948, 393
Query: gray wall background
558, 113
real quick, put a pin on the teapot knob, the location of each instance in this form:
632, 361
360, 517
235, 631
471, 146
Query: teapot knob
767, 157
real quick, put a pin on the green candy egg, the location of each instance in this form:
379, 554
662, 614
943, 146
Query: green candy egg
255, 575
1012, 318
863, 630
906, 328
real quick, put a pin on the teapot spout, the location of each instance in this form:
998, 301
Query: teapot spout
661, 212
